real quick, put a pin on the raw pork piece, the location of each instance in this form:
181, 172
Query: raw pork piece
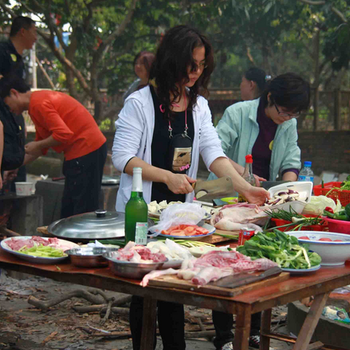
207, 274
237, 261
138, 253
157, 273
16, 243
213, 266
230, 217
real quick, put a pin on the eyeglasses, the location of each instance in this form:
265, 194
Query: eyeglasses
287, 115
194, 66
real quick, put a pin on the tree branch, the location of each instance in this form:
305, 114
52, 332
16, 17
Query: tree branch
339, 14
309, 2
335, 10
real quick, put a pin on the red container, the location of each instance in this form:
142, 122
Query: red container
342, 195
279, 222
244, 235
339, 226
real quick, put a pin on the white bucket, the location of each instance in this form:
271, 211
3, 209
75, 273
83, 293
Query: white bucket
25, 188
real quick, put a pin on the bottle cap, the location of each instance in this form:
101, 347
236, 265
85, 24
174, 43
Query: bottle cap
308, 164
249, 158
137, 170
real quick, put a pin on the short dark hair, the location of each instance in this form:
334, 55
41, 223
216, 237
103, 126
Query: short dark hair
20, 22
258, 76
12, 81
173, 57
288, 90
146, 58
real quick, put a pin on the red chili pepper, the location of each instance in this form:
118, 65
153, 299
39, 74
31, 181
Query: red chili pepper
329, 209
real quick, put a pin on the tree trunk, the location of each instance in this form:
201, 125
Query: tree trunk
70, 83
317, 77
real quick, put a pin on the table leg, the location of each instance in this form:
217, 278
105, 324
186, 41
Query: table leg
265, 329
148, 323
310, 323
242, 330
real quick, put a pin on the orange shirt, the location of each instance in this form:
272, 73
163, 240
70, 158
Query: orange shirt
67, 120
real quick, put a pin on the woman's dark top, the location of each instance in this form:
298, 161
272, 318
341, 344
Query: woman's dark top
160, 147
262, 148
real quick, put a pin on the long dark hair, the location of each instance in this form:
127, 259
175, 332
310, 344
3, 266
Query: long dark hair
173, 57
288, 90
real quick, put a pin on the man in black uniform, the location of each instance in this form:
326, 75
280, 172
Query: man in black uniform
22, 37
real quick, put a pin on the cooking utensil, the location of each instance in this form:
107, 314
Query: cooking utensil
213, 189
130, 269
108, 180
89, 256
234, 281
100, 224
332, 253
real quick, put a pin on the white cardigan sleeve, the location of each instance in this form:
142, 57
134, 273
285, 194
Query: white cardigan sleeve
129, 130
209, 142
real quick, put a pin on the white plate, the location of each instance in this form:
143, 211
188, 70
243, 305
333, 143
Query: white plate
36, 259
301, 271
304, 188
210, 228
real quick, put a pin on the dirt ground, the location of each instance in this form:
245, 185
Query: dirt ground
26, 327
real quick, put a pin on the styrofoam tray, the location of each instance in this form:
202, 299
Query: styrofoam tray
303, 187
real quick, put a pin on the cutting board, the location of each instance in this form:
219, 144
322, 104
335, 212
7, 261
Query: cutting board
228, 286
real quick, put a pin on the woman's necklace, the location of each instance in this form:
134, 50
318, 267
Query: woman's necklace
170, 129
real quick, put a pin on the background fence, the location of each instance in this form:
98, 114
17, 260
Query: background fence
333, 109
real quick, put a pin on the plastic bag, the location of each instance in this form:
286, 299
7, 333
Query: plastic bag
336, 314
178, 214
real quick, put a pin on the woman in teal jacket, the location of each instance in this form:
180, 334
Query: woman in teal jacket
267, 129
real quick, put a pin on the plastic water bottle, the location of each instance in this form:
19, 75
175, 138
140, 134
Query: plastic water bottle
306, 174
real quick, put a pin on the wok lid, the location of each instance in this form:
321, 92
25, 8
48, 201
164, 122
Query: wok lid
100, 224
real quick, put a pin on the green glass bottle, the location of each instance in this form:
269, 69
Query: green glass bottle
136, 212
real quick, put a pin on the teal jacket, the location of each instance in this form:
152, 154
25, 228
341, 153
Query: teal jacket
238, 130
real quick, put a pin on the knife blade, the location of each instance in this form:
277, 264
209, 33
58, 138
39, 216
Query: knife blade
213, 189
234, 281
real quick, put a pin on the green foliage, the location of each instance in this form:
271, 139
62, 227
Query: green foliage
276, 35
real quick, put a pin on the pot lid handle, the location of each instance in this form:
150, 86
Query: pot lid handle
100, 213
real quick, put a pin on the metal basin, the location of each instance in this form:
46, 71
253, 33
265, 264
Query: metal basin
130, 269
89, 256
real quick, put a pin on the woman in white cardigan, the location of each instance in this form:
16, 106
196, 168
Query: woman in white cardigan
162, 129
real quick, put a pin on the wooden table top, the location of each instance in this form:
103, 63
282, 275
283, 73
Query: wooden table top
295, 288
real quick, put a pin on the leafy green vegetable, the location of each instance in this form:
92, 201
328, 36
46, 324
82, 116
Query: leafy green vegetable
43, 251
283, 214
281, 248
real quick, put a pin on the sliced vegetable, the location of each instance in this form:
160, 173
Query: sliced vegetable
43, 251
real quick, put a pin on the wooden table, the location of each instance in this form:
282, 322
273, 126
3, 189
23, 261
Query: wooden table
318, 284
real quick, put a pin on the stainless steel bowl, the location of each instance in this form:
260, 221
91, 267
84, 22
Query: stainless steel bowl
89, 256
130, 269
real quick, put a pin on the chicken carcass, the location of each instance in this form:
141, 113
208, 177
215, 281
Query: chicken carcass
231, 217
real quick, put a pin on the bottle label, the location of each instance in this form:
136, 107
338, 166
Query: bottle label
141, 233
305, 178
